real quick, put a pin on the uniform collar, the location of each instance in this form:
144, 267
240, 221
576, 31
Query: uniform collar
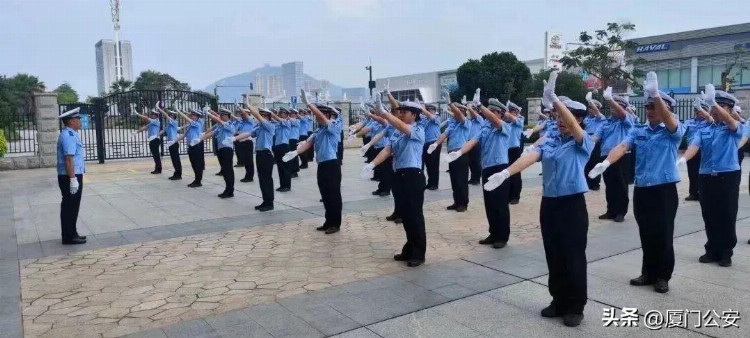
657, 127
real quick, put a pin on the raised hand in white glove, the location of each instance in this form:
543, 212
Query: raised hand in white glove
228, 142
651, 85
303, 96
447, 97
450, 157
351, 136
379, 103
549, 88
697, 103
74, 185
368, 171
195, 141
545, 102
681, 163
527, 150
364, 149
599, 168
289, 156
432, 148
476, 99
589, 97
607, 95
709, 95
528, 132
496, 180
463, 100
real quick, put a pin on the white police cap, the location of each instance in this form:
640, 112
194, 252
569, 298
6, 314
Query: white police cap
665, 97
195, 112
494, 103
71, 114
723, 97
513, 106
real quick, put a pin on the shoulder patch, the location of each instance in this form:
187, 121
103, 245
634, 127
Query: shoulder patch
71, 133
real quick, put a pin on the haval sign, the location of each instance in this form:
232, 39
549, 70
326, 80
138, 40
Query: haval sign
654, 47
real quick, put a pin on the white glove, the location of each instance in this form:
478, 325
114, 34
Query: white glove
599, 168
651, 85
697, 103
194, 142
303, 96
368, 171
681, 163
74, 185
133, 134
450, 157
157, 104
549, 88
527, 150
447, 95
589, 97
228, 142
432, 148
476, 100
289, 156
709, 96
545, 102
351, 137
463, 100
170, 143
387, 89
364, 149
607, 95
379, 103
528, 132
496, 180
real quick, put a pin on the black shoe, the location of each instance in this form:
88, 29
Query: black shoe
691, 198
239, 165
265, 208
194, 185
175, 178
661, 286
607, 216
451, 207
303, 167
514, 202
474, 182
725, 262
285, 189
619, 218
487, 241
376, 193
573, 319
594, 188
73, 241
400, 258
81, 237
323, 227
295, 175
642, 280
384, 193
461, 208
398, 220
321, 200
706, 259
499, 245
375, 179
748, 241
156, 172
332, 230
218, 174
391, 217
432, 187
245, 180
552, 311
226, 195
413, 263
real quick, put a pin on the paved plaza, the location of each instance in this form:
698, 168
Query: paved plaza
164, 260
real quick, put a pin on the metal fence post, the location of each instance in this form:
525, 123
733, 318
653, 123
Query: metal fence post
99, 130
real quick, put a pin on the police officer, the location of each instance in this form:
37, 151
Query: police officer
195, 145
70, 170
244, 147
223, 132
154, 141
263, 133
304, 123
172, 142
457, 132
591, 123
384, 171
494, 140
514, 127
475, 155
406, 146
293, 140
701, 118
563, 215
610, 134
656, 176
431, 124
282, 126
325, 141
719, 175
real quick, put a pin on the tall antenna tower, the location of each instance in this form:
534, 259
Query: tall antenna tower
115, 6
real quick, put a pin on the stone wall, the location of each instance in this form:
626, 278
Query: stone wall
46, 112
535, 108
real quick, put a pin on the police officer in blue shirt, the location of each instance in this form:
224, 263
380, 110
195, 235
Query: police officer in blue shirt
263, 133
610, 134
304, 123
720, 176
591, 123
154, 141
294, 126
280, 147
244, 145
431, 123
195, 145
494, 140
325, 140
172, 142
700, 119
656, 176
384, 171
406, 146
563, 215
223, 132
514, 123
457, 132
70, 170
475, 155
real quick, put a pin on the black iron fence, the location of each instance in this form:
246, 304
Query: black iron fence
359, 114
19, 129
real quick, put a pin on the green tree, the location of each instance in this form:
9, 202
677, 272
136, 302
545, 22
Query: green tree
120, 86
153, 80
603, 56
568, 84
66, 94
499, 75
728, 75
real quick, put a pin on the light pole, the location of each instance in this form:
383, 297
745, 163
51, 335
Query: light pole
216, 93
371, 83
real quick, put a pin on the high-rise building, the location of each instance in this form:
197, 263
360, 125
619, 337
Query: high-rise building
269, 86
293, 77
106, 72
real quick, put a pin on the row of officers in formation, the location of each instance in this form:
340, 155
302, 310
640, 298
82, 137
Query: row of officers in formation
577, 144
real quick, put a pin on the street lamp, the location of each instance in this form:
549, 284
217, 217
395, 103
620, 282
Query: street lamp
370, 84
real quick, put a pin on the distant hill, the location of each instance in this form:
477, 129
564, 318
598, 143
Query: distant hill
244, 79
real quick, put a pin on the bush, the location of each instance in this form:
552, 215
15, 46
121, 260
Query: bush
3, 144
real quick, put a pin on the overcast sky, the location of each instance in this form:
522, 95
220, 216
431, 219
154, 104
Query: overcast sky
200, 41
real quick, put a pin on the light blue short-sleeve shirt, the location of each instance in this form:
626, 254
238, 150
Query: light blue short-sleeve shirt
153, 128
515, 129
221, 132
263, 133
656, 153
407, 149
69, 144
493, 144
718, 146
458, 133
563, 161
326, 141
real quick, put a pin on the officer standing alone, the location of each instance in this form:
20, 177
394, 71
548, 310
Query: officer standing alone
70, 170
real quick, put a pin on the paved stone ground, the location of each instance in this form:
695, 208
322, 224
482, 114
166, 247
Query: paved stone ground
205, 267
